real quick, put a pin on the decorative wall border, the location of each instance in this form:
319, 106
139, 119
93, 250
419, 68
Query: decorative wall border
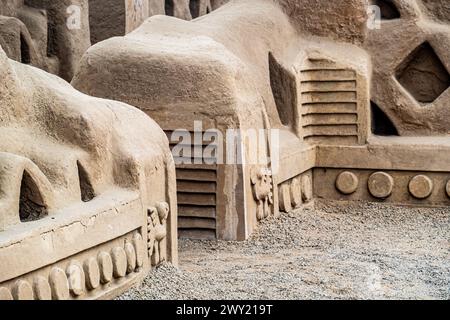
98, 272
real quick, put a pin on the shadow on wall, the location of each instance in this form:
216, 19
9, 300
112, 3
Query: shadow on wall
381, 124
388, 9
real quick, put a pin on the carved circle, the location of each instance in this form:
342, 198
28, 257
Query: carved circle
284, 195
381, 185
296, 192
106, 267
119, 258
59, 284
139, 249
76, 277
447, 188
347, 182
42, 289
5, 294
131, 257
421, 187
92, 273
307, 188
23, 291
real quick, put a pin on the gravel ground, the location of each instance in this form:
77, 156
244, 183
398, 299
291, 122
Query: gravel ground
329, 251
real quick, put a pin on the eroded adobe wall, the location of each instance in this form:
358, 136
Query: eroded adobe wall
106, 19
315, 66
109, 18
218, 69
116, 17
410, 51
87, 191
51, 35
344, 20
437, 9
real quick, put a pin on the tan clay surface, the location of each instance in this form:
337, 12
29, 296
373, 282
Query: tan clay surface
327, 82
351, 100
82, 170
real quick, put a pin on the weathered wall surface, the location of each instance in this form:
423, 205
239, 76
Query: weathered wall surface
345, 19
87, 191
116, 17
410, 52
313, 70
52, 35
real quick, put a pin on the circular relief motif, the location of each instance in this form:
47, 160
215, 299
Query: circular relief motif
420, 187
59, 284
42, 289
347, 182
106, 267
296, 192
76, 278
23, 291
131, 257
139, 249
285, 198
92, 273
119, 259
5, 294
381, 185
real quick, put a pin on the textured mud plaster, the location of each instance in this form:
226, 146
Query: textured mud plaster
411, 63
77, 175
48, 34
423, 74
116, 17
109, 18
437, 9
205, 70
344, 20
53, 35
99, 207
310, 69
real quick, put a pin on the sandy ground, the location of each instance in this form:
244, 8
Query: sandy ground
329, 251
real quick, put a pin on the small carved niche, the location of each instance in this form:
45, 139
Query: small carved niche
31, 202
423, 74
87, 191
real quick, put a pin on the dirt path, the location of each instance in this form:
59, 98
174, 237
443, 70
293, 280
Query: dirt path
362, 251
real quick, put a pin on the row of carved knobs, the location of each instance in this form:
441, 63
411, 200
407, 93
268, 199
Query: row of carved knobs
292, 194
78, 277
381, 185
